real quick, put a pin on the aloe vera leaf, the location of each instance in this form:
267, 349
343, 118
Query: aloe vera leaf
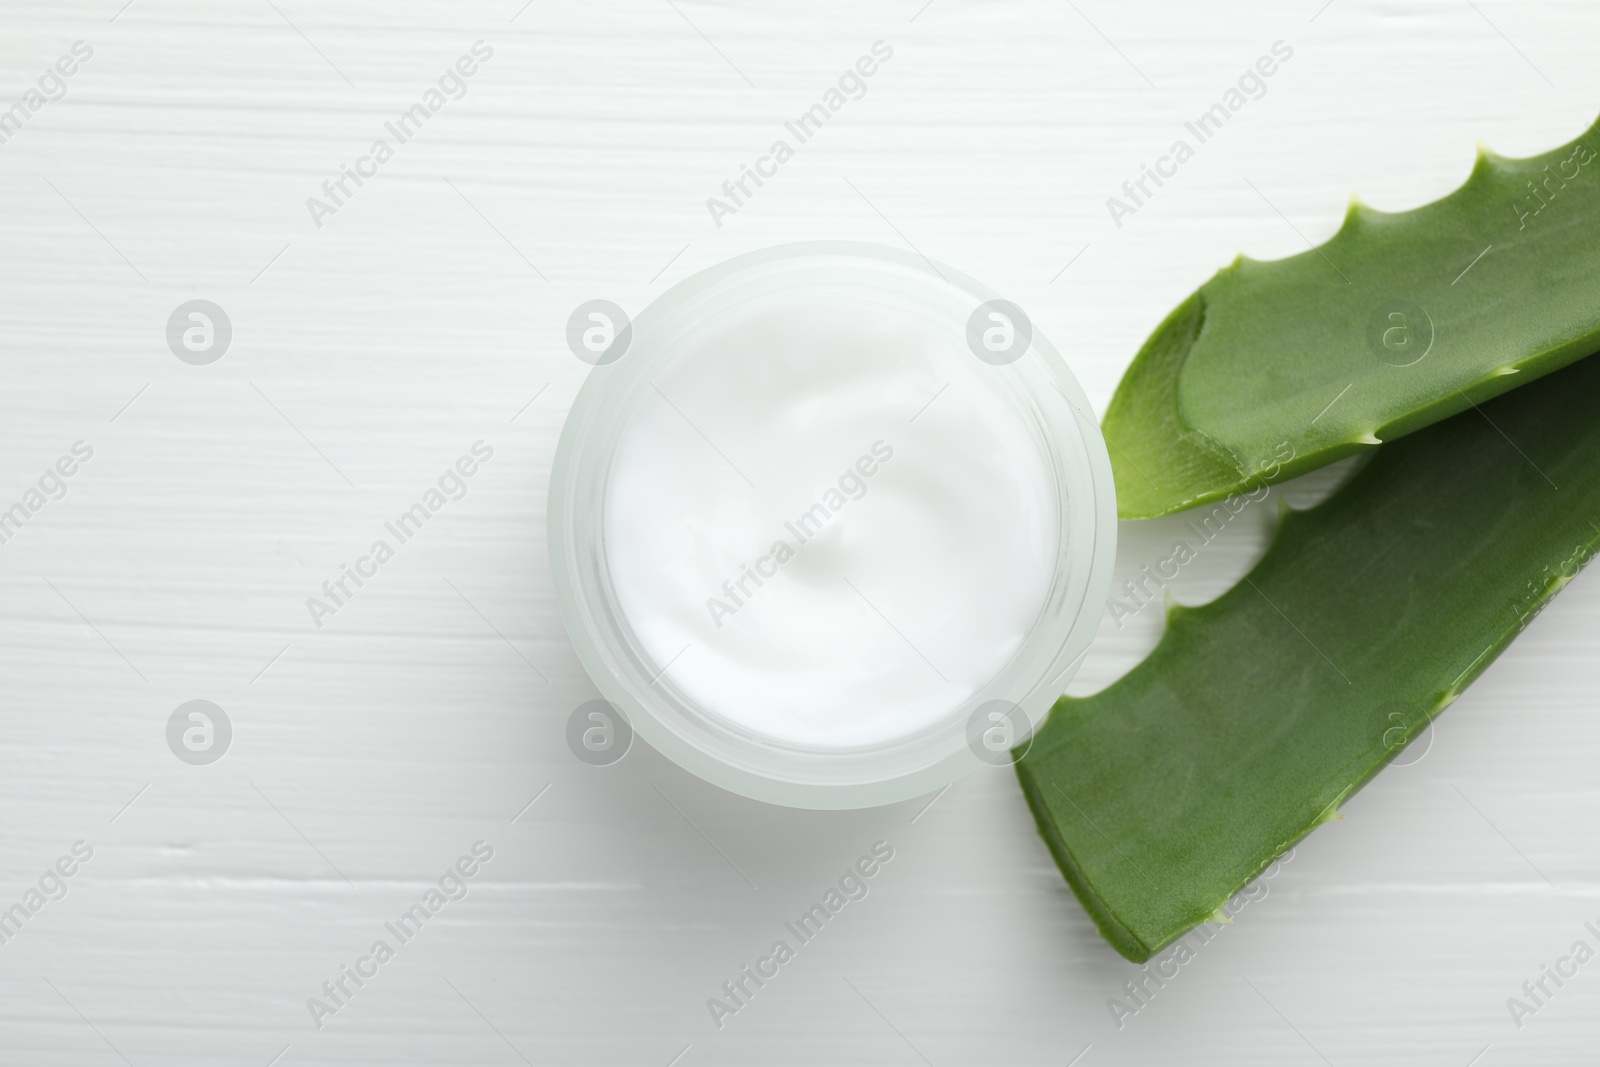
1260, 712
1495, 285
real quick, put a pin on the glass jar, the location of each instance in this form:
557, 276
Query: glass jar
1007, 361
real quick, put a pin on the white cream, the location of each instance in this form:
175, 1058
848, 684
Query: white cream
902, 524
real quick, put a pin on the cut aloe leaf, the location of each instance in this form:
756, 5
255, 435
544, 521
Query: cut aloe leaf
1275, 368
1259, 713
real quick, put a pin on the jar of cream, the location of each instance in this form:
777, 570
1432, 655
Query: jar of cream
831, 525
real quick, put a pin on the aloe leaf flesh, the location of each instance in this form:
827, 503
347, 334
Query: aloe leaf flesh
1259, 713
1398, 321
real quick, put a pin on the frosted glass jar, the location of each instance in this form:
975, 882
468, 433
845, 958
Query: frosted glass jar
835, 528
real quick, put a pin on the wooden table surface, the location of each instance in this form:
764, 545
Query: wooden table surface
378, 336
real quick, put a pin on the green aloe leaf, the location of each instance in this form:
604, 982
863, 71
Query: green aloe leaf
1260, 712
1399, 320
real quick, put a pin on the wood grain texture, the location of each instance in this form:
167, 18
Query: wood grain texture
368, 354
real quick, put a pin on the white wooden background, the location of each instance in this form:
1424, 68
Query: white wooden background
369, 354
